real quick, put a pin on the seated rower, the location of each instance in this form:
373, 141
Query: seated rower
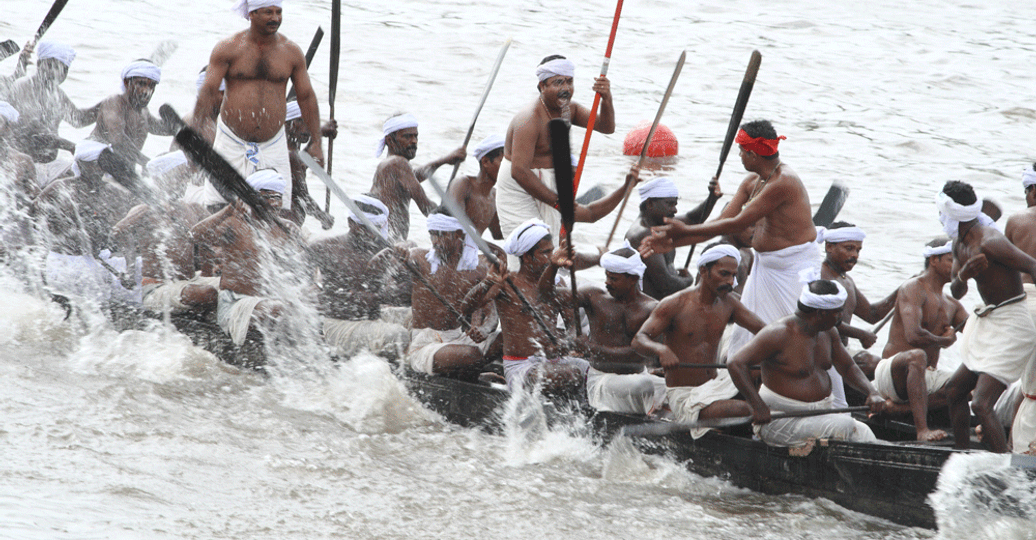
691, 323
795, 353
123, 120
477, 194
925, 321
618, 379
351, 291
438, 343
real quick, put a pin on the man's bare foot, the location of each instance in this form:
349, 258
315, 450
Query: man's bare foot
931, 435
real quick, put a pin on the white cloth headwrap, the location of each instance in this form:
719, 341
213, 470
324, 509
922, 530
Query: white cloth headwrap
952, 214
468, 257
658, 188
268, 179
244, 7
379, 220
717, 252
489, 144
824, 301
525, 236
930, 251
166, 162
1028, 177
292, 111
58, 51
141, 68
393, 125
9, 112
843, 234
618, 264
87, 150
201, 81
559, 66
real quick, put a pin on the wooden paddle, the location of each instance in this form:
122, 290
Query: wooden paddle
647, 142
747, 83
481, 102
332, 88
52, 15
665, 428
832, 204
163, 51
8, 48
310, 53
597, 98
562, 153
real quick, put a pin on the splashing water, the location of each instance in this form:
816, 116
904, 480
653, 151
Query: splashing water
981, 496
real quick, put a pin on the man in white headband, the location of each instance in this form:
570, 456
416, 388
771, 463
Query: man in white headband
476, 194
658, 199
690, 324
24, 176
792, 351
525, 181
1021, 231
256, 65
996, 344
396, 181
298, 137
439, 343
925, 322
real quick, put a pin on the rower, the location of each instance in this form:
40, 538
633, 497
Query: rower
477, 194
123, 120
691, 323
926, 320
795, 353
17, 231
1021, 231
396, 181
298, 135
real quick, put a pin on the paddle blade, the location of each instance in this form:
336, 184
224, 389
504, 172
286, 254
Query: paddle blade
739, 107
123, 173
8, 48
310, 53
52, 15
163, 51
562, 153
336, 45
831, 205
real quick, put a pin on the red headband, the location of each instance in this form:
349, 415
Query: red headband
759, 145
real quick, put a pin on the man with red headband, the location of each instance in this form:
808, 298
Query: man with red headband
772, 198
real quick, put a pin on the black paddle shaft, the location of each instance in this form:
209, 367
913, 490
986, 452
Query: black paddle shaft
310, 53
52, 15
562, 153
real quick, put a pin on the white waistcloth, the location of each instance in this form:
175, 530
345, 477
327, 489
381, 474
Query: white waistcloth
687, 402
1023, 429
379, 337
517, 371
635, 393
157, 296
425, 342
83, 276
234, 313
48, 172
999, 344
934, 380
515, 206
248, 157
798, 431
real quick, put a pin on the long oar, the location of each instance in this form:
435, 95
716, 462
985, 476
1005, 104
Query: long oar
481, 102
681, 365
562, 154
832, 204
366, 222
163, 51
52, 15
651, 133
665, 428
597, 98
332, 87
884, 320
469, 228
728, 142
8, 48
310, 53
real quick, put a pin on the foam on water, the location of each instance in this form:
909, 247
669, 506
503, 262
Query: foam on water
982, 497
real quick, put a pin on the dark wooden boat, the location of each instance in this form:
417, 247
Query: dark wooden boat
891, 481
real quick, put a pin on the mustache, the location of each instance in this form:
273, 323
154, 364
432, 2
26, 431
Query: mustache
564, 95
725, 288
851, 261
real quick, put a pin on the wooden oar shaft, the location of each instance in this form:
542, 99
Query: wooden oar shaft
332, 88
562, 160
482, 102
884, 320
49, 18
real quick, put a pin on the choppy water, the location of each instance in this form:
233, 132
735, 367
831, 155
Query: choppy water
139, 435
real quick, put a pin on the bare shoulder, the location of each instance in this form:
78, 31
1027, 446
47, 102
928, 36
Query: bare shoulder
637, 233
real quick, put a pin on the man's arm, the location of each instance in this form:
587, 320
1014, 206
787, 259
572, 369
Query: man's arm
910, 307
307, 100
1001, 250
205, 231
852, 374
157, 126
208, 94
769, 198
453, 158
744, 317
75, 116
872, 313
764, 345
602, 207
605, 121
661, 319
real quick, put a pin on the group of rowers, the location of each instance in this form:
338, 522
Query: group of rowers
763, 326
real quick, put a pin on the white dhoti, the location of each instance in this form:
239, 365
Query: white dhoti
934, 380
425, 342
158, 297
248, 157
798, 431
381, 338
234, 313
636, 393
84, 277
999, 343
516, 370
687, 402
1023, 429
515, 206
49, 172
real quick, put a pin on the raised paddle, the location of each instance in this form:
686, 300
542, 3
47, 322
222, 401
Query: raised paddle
647, 141
597, 98
52, 15
332, 87
481, 102
163, 51
562, 153
728, 142
665, 428
310, 53
832, 204
8, 48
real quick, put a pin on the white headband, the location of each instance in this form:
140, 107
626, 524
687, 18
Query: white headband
1028, 177
952, 214
658, 188
58, 51
87, 150
292, 111
166, 162
525, 237
393, 125
244, 7
201, 82
843, 234
379, 220
488, 144
937, 250
268, 179
618, 264
468, 258
717, 252
824, 301
554, 68
141, 68
9, 112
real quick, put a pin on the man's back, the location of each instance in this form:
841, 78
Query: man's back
786, 219
1021, 231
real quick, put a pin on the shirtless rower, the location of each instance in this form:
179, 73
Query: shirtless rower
18, 177
438, 343
691, 323
525, 183
658, 198
925, 321
396, 181
795, 353
476, 194
351, 289
618, 379
1000, 340
123, 120
247, 245
256, 65
298, 136
1021, 231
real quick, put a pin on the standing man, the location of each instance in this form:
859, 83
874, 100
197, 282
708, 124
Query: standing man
256, 65
123, 120
1021, 230
999, 341
477, 194
773, 198
525, 183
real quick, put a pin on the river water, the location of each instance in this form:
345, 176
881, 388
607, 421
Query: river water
139, 435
